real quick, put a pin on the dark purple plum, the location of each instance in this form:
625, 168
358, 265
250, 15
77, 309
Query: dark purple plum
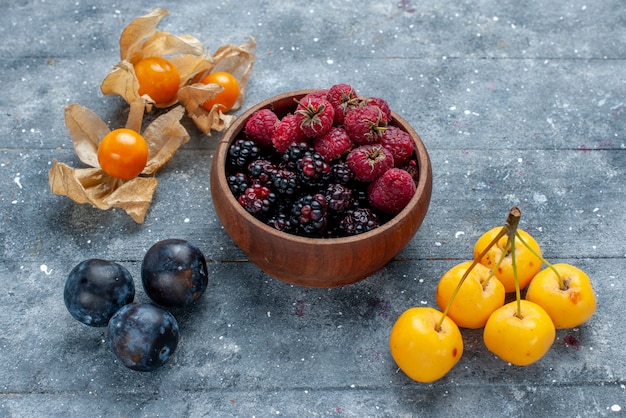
174, 273
95, 289
143, 336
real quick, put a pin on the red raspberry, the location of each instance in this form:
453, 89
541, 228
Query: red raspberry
365, 125
381, 103
412, 168
261, 126
343, 98
368, 162
315, 116
333, 144
399, 143
320, 94
287, 131
392, 191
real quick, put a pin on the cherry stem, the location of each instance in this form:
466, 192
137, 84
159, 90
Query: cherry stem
504, 231
511, 225
454, 293
135, 115
518, 293
562, 284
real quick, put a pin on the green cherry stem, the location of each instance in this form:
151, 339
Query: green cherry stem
512, 219
454, 293
562, 284
512, 223
518, 293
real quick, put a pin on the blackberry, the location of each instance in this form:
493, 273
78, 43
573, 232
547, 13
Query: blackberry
339, 197
358, 221
309, 215
293, 154
258, 200
359, 196
281, 222
260, 171
313, 170
238, 183
341, 173
242, 152
284, 182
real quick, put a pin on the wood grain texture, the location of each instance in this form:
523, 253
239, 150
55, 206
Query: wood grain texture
518, 103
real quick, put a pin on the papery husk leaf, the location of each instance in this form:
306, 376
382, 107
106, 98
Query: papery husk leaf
87, 130
193, 97
134, 197
163, 44
137, 31
93, 186
121, 81
191, 65
236, 60
164, 136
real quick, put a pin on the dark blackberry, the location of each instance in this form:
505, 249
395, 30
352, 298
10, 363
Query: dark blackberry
358, 221
285, 182
260, 171
314, 170
242, 152
341, 173
339, 197
359, 195
293, 154
258, 200
309, 215
281, 222
238, 183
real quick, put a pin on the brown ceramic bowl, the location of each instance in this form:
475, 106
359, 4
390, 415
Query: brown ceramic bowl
315, 262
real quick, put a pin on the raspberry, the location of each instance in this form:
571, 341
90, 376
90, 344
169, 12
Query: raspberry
257, 200
365, 125
238, 183
334, 144
287, 131
392, 191
320, 94
399, 143
343, 98
261, 126
242, 152
309, 214
368, 162
412, 168
315, 116
382, 104
358, 221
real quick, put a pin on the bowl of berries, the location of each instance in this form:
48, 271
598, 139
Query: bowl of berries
321, 188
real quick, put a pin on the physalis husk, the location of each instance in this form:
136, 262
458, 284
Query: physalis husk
92, 185
141, 39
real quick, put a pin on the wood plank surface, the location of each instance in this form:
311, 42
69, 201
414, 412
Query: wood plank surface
519, 103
